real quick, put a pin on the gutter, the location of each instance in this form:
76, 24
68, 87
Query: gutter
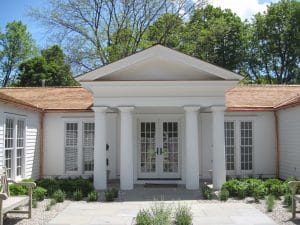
42, 144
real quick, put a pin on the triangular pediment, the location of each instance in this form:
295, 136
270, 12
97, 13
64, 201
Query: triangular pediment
159, 63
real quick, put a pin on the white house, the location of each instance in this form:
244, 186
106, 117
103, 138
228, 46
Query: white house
156, 116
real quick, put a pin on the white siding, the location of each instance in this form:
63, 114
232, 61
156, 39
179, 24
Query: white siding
264, 153
289, 142
32, 150
54, 142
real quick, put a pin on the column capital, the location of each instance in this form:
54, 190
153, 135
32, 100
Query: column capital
126, 108
218, 108
191, 108
99, 109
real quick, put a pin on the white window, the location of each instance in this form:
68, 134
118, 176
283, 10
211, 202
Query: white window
238, 145
88, 146
14, 147
71, 147
229, 145
246, 145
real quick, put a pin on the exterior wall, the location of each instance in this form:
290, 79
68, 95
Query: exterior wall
32, 129
54, 140
264, 152
289, 142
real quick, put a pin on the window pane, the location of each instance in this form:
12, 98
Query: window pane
20, 146
246, 145
88, 146
229, 144
71, 148
9, 145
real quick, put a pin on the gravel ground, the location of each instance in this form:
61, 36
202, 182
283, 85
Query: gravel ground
39, 215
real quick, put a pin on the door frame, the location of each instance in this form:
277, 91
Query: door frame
181, 134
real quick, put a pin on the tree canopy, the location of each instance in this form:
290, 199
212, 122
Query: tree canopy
50, 68
16, 45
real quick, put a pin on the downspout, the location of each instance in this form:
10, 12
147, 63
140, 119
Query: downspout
42, 144
277, 144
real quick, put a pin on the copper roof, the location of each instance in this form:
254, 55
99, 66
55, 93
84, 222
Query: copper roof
52, 98
240, 98
261, 97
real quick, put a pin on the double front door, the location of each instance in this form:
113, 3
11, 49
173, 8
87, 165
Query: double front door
159, 149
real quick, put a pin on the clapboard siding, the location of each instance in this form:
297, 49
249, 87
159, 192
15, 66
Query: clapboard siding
289, 142
32, 121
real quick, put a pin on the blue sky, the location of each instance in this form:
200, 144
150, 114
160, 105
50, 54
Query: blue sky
16, 10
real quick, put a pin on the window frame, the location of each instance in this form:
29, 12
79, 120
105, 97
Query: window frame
238, 168
71, 172
82, 146
15, 118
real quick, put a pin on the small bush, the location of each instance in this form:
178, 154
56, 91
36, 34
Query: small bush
183, 215
288, 198
109, 196
39, 193
92, 196
242, 190
77, 195
143, 218
15, 190
231, 187
34, 203
50, 184
259, 192
224, 194
161, 214
207, 193
270, 202
59, 196
115, 192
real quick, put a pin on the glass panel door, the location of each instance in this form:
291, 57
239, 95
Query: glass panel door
148, 164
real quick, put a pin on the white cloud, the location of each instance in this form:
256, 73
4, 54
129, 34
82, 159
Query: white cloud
243, 8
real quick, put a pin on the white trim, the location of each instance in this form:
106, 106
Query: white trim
163, 52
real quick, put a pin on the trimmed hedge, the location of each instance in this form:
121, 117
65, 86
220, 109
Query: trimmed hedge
257, 188
68, 185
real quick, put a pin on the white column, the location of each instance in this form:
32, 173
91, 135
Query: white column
126, 148
219, 170
100, 182
192, 147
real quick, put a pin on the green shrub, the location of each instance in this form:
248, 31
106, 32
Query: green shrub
109, 196
50, 184
224, 194
92, 196
59, 196
77, 195
143, 217
270, 202
259, 192
68, 185
161, 214
115, 192
15, 190
183, 215
34, 203
242, 189
288, 198
252, 186
231, 187
207, 193
39, 193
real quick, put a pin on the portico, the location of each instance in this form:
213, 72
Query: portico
159, 95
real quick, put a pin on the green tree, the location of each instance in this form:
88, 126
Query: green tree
167, 30
274, 42
216, 36
16, 45
50, 67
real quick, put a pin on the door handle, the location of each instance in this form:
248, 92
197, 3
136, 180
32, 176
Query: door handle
157, 149
160, 150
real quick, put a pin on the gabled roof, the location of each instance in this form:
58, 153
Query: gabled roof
51, 98
262, 97
159, 53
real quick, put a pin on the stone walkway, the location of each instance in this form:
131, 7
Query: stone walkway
123, 213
